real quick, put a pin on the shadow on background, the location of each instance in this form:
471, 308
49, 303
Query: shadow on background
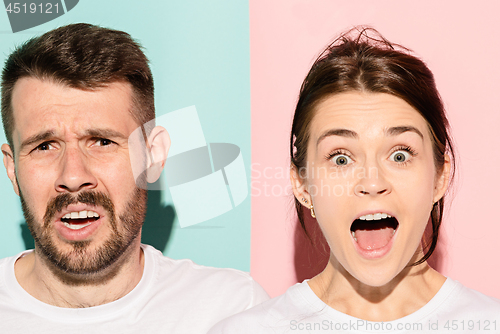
156, 230
437, 257
311, 256
29, 243
159, 221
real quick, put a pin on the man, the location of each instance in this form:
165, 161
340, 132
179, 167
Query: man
71, 99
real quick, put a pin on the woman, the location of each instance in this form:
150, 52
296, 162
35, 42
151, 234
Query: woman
371, 160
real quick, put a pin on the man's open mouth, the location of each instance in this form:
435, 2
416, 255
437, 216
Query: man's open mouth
374, 231
79, 219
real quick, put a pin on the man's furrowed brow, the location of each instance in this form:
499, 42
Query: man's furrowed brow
397, 130
105, 133
338, 132
37, 138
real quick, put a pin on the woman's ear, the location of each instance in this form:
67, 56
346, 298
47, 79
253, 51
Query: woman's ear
10, 166
299, 186
442, 179
158, 146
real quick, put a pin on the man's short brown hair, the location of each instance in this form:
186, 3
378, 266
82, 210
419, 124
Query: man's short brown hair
80, 56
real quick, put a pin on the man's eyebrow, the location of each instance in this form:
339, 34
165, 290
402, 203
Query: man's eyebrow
105, 133
337, 132
37, 138
397, 130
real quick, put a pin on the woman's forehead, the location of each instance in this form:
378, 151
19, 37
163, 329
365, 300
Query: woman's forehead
364, 114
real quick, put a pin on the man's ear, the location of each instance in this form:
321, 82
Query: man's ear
10, 166
442, 179
158, 146
299, 186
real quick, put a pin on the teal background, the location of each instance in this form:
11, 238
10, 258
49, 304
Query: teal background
199, 54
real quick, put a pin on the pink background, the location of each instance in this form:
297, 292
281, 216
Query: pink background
460, 43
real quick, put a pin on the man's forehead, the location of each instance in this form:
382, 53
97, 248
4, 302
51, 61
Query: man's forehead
29, 85
35, 97
42, 106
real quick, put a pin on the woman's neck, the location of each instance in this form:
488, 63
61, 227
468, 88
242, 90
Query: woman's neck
404, 294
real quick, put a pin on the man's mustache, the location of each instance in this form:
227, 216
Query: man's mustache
93, 198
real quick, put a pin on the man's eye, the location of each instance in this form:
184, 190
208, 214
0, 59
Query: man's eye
43, 147
103, 142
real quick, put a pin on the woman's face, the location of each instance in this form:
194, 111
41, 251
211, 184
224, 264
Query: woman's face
371, 177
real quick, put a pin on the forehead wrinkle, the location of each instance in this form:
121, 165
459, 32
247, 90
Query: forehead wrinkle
105, 133
338, 132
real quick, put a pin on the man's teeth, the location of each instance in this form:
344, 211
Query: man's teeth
81, 215
375, 216
75, 226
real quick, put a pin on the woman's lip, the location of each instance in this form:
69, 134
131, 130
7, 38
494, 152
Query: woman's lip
372, 254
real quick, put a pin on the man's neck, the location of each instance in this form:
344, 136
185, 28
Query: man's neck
39, 280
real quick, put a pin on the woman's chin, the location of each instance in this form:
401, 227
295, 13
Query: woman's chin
376, 277
376, 281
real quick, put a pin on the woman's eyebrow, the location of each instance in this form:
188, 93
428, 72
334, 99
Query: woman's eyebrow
397, 130
337, 132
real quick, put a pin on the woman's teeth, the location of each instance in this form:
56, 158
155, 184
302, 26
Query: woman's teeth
376, 216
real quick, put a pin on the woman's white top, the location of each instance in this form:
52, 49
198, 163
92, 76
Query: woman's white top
454, 309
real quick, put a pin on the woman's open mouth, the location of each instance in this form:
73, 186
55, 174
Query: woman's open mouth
373, 233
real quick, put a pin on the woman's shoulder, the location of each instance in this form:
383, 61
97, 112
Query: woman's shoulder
298, 308
470, 301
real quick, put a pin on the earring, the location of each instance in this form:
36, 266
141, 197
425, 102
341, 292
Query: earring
304, 200
312, 211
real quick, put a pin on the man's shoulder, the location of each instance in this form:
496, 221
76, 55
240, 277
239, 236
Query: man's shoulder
7, 264
185, 275
188, 268
272, 316
9, 288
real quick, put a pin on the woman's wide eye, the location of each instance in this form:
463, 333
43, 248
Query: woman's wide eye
400, 156
341, 160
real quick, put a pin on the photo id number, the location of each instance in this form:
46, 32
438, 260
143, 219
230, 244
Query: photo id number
32, 8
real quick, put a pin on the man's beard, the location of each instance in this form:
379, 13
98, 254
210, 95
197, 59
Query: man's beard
81, 260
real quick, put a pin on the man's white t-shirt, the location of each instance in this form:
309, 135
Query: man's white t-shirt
173, 296
454, 309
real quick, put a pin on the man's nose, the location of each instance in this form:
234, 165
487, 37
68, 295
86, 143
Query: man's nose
75, 173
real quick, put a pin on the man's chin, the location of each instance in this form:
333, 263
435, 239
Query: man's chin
84, 263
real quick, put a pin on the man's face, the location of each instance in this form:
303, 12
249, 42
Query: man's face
72, 169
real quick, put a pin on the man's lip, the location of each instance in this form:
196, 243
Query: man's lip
82, 234
79, 207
